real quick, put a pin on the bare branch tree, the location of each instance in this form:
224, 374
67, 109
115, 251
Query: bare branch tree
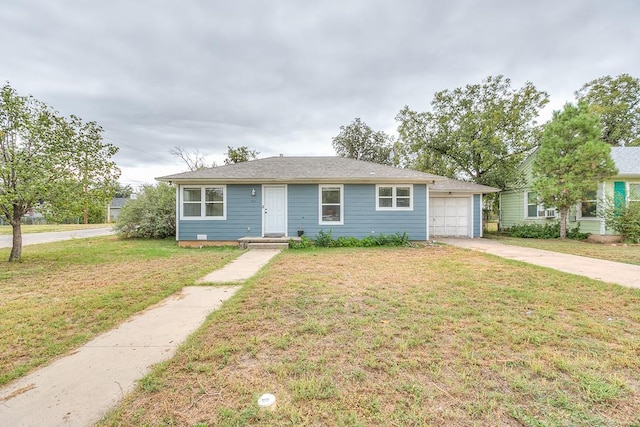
193, 159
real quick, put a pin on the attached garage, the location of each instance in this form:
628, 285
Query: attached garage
450, 216
455, 208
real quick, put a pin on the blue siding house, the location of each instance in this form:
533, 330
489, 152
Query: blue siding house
287, 196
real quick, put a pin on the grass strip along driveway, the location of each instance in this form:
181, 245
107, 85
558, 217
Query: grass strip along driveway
409, 336
629, 254
63, 294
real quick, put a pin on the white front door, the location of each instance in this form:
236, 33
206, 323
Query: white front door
274, 210
449, 216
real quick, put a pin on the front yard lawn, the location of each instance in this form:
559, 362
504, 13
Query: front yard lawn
629, 254
63, 294
401, 337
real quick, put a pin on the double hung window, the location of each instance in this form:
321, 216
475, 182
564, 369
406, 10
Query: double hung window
203, 202
331, 203
394, 197
589, 205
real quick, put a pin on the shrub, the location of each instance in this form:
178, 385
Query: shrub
325, 240
151, 216
549, 230
303, 243
625, 219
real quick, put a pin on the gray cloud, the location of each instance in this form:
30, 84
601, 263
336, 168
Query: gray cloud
282, 76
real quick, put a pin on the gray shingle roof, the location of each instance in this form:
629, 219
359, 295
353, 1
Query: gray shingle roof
303, 169
627, 160
455, 186
118, 202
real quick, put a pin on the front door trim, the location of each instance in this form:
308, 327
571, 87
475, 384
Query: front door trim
281, 230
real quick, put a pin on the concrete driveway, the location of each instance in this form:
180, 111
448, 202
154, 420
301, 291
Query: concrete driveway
607, 271
55, 236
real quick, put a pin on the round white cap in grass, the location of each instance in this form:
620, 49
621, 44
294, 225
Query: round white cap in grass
266, 400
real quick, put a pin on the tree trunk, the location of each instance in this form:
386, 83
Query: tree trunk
563, 223
16, 249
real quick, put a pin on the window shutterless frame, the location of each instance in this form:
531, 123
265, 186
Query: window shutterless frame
203, 202
398, 197
331, 204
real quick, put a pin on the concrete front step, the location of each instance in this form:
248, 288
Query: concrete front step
254, 245
265, 242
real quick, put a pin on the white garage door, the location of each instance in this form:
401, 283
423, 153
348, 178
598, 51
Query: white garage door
449, 216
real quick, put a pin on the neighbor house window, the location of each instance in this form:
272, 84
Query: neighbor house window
589, 205
203, 202
634, 192
534, 208
331, 203
394, 197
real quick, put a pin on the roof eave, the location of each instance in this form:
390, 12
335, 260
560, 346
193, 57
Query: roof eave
337, 180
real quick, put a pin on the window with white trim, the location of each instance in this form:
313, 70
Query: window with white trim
203, 202
634, 192
331, 203
394, 197
533, 207
589, 205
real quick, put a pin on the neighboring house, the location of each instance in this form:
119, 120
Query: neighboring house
285, 196
115, 207
521, 206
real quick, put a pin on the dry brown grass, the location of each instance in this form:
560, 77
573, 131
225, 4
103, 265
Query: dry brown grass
428, 336
64, 294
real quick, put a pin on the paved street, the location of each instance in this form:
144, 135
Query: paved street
55, 236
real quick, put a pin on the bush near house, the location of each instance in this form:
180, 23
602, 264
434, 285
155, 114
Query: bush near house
625, 219
325, 240
544, 231
151, 216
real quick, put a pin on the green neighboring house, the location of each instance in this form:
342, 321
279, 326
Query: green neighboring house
521, 206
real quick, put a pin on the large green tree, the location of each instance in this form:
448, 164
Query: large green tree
358, 141
48, 162
571, 159
617, 101
480, 133
240, 154
92, 174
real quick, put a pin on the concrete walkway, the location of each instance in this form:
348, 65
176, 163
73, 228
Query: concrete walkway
79, 388
242, 268
607, 271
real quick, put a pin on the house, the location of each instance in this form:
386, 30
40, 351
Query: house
115, 207
521, 206
287, 196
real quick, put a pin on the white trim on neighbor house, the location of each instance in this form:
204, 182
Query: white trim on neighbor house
329, 218
394, 197
203, 202
635, 193
595, 217
539, 207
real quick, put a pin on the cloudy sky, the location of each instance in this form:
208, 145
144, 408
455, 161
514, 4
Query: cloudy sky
283, 76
